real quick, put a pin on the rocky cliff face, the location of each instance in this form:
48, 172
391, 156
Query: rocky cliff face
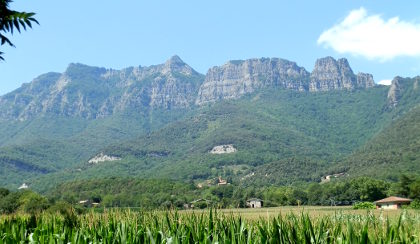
91, 92
394, 92
329, 74
237, 78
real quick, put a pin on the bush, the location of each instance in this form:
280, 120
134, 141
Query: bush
10, 203
23, 201
60, 207
4, 192
415, 204
364, 205
35, 204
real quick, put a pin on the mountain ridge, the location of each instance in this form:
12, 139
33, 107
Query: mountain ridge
160, 121
91, 92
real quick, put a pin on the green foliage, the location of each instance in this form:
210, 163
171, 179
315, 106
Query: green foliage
152, 194
415, 204
11, 20
343, 192
127, 192
24, 201
407, 186
280, 136
364, 205
10, 203
4, 192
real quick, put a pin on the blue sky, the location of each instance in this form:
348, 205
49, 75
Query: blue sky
118, 34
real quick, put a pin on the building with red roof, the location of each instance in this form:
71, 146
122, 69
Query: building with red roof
392, 202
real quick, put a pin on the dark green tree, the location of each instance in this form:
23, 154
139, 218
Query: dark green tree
11, 20
4, 192
404, 185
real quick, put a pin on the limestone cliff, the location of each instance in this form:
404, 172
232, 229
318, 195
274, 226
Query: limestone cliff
237, 78
329, 74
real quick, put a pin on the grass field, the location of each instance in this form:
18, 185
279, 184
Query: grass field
312, 211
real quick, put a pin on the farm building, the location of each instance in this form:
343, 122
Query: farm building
392, 202
254, 203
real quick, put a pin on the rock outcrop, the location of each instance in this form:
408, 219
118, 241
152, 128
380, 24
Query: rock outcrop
394, 92
223, 149
100, 158
329, 74
237, 78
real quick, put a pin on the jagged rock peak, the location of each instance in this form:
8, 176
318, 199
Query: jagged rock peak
330, 74
175, 64
175, 59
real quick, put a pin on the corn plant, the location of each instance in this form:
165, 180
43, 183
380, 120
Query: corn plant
207, 227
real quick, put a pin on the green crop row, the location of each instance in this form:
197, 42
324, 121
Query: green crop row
207, 227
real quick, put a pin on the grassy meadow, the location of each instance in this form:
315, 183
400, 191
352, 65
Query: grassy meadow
267, 225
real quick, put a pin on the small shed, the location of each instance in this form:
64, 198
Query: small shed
254, 203
392, 202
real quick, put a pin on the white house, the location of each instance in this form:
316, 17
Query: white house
254, 203
392, 202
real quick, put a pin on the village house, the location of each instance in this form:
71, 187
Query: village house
392, 202
254, 203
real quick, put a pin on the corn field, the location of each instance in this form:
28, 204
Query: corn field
208, 227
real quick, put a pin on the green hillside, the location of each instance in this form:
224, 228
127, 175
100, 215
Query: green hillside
281, 136
51, 144
395, 149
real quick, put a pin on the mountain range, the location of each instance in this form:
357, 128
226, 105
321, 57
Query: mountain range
282, 123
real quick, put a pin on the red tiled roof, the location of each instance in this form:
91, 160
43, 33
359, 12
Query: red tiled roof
393, 199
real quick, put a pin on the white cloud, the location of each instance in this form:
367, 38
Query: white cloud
373, 37
385, 82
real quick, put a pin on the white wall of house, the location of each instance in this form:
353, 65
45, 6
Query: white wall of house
388, 206
254, 204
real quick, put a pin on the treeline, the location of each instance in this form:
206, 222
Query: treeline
26, 201
164, 194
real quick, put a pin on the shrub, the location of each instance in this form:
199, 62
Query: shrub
364, 205
415, 204
4, 192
